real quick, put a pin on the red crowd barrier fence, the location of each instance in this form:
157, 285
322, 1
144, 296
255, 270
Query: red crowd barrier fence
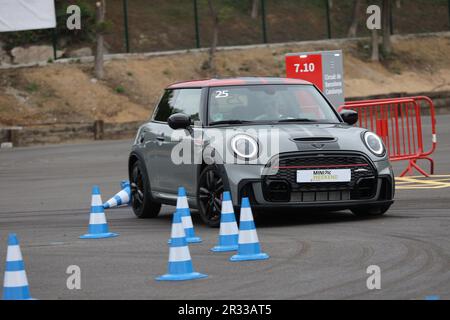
398, 122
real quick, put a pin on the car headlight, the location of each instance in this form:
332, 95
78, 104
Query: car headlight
374, 143
244, 146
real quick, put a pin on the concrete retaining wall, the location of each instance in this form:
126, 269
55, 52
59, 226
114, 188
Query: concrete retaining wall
60, 133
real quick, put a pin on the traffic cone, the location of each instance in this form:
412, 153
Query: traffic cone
15, 285
98, 227
248, 243
183, 208
123, 197
228, 234
180, 263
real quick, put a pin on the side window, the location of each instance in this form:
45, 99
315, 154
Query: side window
165, 106
180, 100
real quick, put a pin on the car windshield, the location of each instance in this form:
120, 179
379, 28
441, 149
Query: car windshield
268, 103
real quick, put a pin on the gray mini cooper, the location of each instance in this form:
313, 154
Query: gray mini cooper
277, 141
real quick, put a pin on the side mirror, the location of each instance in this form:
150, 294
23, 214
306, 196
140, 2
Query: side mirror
179, 121
349, 116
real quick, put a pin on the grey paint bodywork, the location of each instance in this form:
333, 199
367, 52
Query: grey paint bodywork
153, 145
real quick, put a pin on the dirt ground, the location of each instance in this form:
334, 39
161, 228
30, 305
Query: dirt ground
64, 93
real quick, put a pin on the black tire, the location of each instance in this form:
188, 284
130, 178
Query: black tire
371, 211
211, 185
142, 203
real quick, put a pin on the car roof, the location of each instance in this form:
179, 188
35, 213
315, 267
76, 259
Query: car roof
235, 82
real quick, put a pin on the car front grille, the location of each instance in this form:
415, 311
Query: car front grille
280, 179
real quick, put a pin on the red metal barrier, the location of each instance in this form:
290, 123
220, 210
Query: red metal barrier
399, 123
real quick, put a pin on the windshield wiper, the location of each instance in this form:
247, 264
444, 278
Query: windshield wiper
297, 120
228, 122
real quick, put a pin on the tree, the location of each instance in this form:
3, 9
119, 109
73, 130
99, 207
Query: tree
215, 36
355, 17
375, 46
373, 23
386, 14
100, 48
255, 6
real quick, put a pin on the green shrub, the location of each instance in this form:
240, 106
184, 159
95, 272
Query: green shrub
119, 89
32, 87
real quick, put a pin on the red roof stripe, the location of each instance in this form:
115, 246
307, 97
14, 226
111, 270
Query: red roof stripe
234, 82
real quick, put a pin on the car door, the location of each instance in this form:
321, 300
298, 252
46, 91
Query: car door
166, 173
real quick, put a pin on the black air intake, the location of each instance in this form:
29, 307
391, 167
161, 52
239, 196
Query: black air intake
315, 139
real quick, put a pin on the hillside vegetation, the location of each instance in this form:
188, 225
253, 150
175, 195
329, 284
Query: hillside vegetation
62, 93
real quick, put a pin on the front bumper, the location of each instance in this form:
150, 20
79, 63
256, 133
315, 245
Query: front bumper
249, 180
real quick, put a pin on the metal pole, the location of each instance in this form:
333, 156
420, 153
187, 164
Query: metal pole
197, 32
327, 6
449, 14
55, 39
391, 19
54, 43
125, 24
263, 20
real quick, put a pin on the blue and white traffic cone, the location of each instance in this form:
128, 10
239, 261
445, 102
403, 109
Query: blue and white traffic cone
98, 227
248, 243
122, 198
15, 285
180, 263
183, 208
228, 234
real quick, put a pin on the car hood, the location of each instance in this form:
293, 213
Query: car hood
292, 137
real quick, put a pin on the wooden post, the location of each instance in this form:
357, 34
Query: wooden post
98, 129
13, 135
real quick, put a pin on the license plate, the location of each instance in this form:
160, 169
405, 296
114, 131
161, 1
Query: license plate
324, 175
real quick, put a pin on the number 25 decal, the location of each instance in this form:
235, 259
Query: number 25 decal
221, 93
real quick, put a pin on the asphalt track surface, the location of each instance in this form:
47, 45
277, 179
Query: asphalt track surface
45, 198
